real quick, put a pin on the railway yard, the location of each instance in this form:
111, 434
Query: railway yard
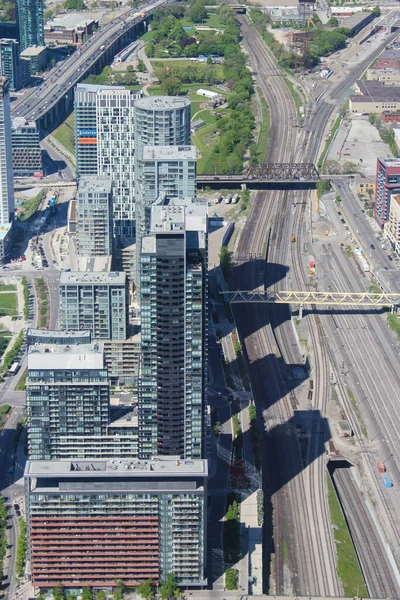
349, 353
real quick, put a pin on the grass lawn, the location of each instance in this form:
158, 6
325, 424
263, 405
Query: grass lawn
262, 144
64, 134
349, 569
22, 382
8, 288
394, 324
148, 36
212, 21
29, 207
8, 303
5, 337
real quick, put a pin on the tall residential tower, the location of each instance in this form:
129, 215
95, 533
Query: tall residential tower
173, 301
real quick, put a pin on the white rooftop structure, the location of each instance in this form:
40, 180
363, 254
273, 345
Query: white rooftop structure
166, 466
169, 153
93, 278
55, 357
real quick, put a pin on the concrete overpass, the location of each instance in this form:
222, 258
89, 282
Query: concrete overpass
48, 103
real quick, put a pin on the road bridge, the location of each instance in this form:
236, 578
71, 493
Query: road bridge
333, 299
53, 99
294, 174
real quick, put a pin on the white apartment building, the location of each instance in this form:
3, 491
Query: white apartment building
116, 151
392, 226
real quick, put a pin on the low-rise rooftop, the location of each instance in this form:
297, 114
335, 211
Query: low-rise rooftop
166, 153
162, 102
57, 357
94, 184
59, 335
69, 21
93, 278
376, 91
33, 51
156, 467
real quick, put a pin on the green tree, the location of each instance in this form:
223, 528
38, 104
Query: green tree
48, 15
146, 590
58, 592
129, 69
87, 593
323, 187
197, 13
333, 22
169, 588
231, 579
74, 5
101, 595
130, 79
372, 118
171, 86
225, 260
141, 67
376, 11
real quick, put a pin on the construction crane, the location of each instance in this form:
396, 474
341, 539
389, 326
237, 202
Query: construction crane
310, 22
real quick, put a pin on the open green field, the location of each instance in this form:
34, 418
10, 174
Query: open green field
8, 303
212, 21
8, 288
148, 36
5, 337
29, 207
349, 569
64, 134
186, 62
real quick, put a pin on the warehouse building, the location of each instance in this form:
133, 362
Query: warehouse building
374, 97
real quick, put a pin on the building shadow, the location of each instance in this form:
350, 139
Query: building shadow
52, 166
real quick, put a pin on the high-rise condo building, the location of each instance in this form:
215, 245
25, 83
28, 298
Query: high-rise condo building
6, 170
12, 66
96, 522
94, 211
61, 402
387, 183
104, 140
26, 151
30, 23
67, 397
95, 301
115, 151
173, 301
159, 121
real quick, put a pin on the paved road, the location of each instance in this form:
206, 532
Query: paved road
37, 102
386, 271
6, 450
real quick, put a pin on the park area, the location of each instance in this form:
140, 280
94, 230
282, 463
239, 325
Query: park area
8, 301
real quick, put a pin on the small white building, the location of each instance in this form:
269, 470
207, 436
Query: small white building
208, 94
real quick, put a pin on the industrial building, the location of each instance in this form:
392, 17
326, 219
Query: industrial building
94, 216
173, 309
374, 97
356, 22
26, 151
69, 29
94, 301
94, 522
386, 70
387, 183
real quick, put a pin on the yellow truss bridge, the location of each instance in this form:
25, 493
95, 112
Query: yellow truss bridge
320, 298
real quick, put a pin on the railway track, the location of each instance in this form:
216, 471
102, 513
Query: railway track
378, 574
297, 528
